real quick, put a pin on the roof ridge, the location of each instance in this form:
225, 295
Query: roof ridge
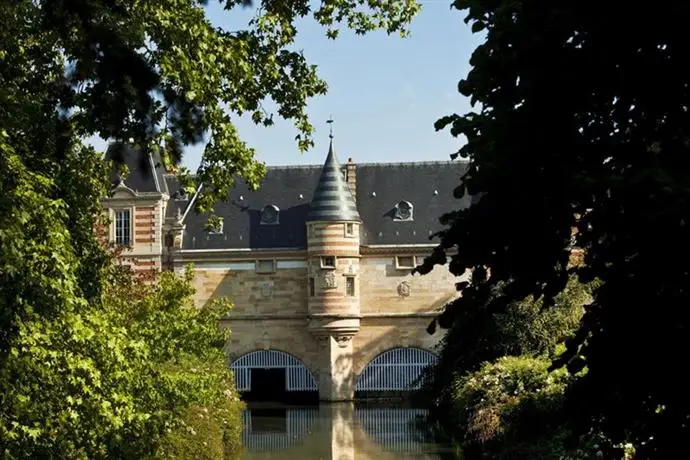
412, 163
303, 166
369, 163
372, 163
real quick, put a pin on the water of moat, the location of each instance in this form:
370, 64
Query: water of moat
341, 431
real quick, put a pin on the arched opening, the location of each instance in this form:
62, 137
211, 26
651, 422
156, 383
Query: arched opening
272, 375
395, 370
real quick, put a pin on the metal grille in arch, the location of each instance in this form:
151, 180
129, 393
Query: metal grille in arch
297, 376
398, 369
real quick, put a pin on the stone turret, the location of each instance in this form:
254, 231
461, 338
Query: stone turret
333, 285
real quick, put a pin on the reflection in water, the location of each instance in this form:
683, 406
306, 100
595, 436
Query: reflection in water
395, 429
275, 430
339, 432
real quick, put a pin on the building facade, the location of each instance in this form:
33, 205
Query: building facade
317, 262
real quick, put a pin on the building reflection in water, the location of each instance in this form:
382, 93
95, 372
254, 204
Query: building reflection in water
339, 432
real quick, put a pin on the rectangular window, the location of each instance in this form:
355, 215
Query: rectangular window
312, 287
404, 262
350, 286
265, 266
123, 226
328, 262
350, 229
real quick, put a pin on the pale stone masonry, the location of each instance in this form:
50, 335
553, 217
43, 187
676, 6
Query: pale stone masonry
317, 262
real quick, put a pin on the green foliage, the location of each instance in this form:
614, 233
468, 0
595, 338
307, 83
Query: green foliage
578, 123
207, 434
524, 328
528, 327
509, 409
161, 73
119, 378
94, 363
77, 386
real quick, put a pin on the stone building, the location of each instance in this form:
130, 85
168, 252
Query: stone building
317, 262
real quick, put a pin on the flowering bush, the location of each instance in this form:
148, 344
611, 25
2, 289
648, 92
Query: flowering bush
509, 409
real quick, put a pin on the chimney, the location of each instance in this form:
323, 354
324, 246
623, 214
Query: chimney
351, 177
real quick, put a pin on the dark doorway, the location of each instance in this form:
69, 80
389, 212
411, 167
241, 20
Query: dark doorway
267, 385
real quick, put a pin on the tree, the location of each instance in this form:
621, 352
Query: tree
582, 121
184, 348
525, 328
84, 366
510, 409
492, 392
160, 73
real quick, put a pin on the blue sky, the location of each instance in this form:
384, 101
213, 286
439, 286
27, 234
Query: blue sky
385, 92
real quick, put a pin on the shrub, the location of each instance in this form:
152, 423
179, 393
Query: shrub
207, 433
525, 327
510, 409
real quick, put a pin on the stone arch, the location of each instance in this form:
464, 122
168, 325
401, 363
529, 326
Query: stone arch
299, 376
368, 353
236, 351
396, 369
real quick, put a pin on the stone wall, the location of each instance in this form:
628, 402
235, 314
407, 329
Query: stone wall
281, 293
271, 311
377, 335
287, 335
386, 289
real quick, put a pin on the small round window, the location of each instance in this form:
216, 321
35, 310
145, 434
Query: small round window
403, 210
270, 215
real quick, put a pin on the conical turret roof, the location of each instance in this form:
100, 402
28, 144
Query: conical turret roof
332, 198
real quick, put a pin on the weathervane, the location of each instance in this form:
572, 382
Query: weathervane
330, 123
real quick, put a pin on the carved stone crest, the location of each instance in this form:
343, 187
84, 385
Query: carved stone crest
328, 280
177, 242
267, 289
404, 289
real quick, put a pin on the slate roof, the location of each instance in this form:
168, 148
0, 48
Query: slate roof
332, 200
145, 171
289, 188
178, 199
427, 185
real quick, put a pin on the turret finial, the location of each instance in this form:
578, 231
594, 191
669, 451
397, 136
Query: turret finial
330, 123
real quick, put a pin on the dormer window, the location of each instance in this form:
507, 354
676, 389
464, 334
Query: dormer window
214, 225
270, 215
403, 211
